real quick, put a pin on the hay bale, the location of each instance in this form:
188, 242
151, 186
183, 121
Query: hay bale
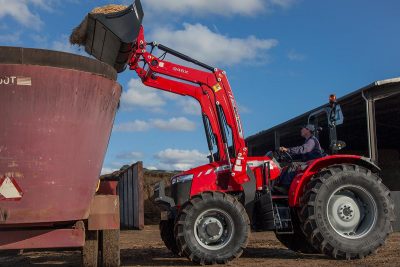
79, 34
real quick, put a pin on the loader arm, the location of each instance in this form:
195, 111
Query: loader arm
210, 87
118, 39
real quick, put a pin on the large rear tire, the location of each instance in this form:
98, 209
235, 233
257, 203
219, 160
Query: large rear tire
348, 211
297, 241
212, 227
167, 235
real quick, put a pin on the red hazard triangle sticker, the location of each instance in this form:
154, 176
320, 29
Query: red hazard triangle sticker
9, 189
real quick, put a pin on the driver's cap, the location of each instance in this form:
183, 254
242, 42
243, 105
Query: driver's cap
310, 127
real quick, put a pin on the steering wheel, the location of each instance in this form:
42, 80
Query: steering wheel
284, 156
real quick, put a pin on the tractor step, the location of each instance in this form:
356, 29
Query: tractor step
283, 220
110, 36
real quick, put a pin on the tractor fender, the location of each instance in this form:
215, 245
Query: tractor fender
304, 175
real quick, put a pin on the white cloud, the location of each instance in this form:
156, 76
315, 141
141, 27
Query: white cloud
21, 11
190, 106
214, 49
176, 159
283, 3
243, 109
132, 126
43, 4
39, 39
10, 38
151, 167
173, 124
295, 56
170, 96
107, 170
216, 7
59, 43
132, 156
139, 95
62, 44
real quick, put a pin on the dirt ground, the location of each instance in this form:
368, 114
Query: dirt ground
145, 248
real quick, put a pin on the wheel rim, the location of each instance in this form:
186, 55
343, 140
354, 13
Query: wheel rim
352, 211
213, 229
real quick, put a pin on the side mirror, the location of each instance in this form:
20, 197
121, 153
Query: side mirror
338, 145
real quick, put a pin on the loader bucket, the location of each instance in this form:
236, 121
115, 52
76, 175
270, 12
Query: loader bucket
110, 36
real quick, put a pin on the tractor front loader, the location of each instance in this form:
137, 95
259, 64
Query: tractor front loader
336, 205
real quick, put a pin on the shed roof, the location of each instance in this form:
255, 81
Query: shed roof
376, 90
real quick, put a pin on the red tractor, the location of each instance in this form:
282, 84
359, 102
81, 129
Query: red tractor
336, 205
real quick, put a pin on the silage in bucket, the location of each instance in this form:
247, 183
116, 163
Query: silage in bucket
79, 34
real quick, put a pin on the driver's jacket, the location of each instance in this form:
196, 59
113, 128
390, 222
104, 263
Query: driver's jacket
311, 149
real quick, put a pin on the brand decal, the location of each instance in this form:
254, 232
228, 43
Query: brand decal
180, 70
16, 80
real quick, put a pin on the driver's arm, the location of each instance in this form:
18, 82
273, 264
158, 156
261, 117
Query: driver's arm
306, 148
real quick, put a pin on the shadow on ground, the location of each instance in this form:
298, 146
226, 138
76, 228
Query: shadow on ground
162, 257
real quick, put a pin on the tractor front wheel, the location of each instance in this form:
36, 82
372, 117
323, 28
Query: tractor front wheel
167, 235
212, 227
347, 211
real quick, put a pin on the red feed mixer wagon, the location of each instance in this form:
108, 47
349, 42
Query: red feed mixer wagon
56, 115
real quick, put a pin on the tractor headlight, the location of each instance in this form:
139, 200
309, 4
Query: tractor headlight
181, 178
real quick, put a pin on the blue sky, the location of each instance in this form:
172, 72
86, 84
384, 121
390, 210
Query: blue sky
283, 57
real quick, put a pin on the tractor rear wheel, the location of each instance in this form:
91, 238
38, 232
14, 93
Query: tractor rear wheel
347, 211
212, 227
167, 235
297, 241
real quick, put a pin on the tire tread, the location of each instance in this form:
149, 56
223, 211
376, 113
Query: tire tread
187, 208
307, 213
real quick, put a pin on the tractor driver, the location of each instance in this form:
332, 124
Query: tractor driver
311, 149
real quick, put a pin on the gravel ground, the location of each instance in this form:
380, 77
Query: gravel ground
145, 248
